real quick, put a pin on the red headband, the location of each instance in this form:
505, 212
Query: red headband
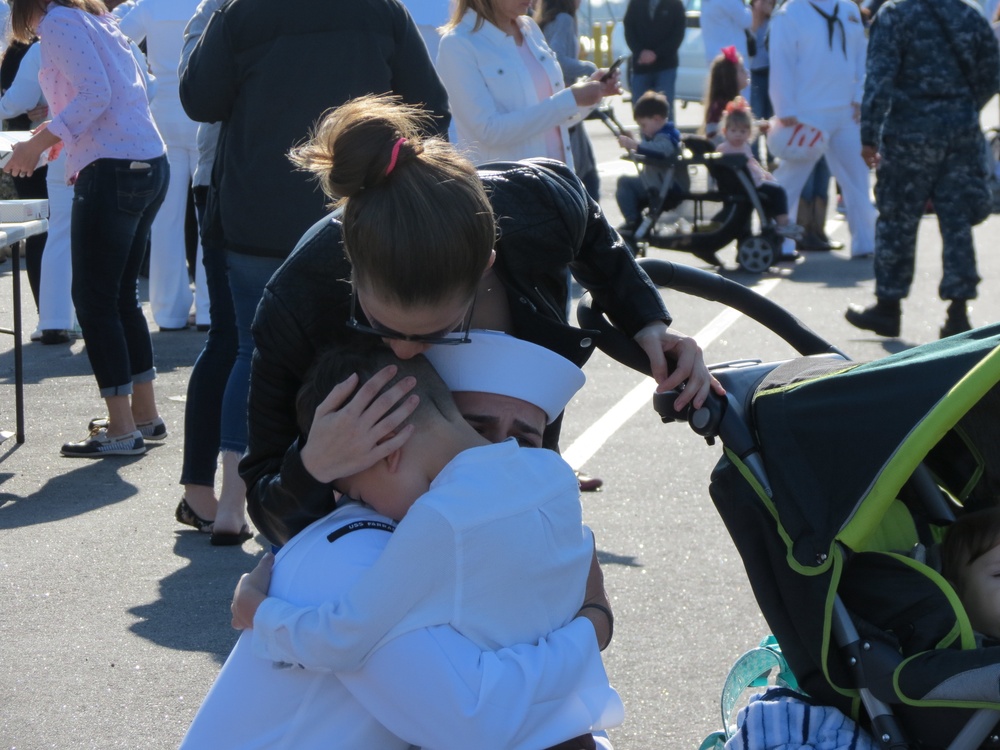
731, 54
739, 104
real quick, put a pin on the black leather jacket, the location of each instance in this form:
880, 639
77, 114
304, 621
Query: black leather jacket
547, 223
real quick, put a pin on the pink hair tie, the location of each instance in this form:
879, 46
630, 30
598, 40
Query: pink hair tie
395, 156
731, 54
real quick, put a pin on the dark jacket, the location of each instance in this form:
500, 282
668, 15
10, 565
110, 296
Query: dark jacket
547, 223
268, 69
663, 33
931, 66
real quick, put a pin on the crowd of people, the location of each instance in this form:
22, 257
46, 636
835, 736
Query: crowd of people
418, 183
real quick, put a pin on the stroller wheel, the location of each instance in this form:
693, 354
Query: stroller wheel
755, 254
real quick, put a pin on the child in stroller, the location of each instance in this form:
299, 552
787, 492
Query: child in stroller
660, 145
729, 183
737, 130
970, 561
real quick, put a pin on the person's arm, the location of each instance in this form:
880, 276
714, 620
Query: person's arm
195, 28
671, 30
66, 46
860, 62
607, 269
562, 38
414, 77
987, 66
435, 688
738, 13
781, 86
209, 83
474, 104
410, 586
133, 20
882, 68
24, 93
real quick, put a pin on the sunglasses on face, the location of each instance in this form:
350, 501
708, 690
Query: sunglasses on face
447, 337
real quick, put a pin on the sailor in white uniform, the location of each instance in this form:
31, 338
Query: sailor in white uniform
818, 52
429, 687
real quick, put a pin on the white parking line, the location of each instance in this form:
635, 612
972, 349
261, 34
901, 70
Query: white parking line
595, 436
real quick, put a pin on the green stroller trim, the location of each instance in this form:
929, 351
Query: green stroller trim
922, 438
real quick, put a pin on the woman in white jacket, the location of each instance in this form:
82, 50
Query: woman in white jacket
505, 86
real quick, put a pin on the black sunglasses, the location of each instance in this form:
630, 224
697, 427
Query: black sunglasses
447, 338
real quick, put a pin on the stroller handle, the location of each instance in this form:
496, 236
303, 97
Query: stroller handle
708, 286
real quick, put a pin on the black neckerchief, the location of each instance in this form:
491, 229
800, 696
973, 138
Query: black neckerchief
832, 21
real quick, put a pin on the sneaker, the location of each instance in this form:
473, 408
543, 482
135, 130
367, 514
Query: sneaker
36, 335
873, 319
99, 445
155, 430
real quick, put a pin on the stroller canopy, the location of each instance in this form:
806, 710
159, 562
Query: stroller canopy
839, 447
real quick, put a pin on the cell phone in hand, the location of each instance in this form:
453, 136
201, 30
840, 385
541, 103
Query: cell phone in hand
611, 71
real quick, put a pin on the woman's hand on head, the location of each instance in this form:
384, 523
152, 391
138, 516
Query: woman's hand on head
250, 592
689, 364
350, 435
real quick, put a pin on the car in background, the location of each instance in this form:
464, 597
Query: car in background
692, 70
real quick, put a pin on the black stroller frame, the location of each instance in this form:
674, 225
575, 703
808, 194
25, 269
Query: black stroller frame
733, 188
866, 658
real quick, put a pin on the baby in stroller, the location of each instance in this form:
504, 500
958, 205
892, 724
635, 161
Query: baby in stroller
737, 130
970, 561
660, 146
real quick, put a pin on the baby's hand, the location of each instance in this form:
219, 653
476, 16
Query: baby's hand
627, 142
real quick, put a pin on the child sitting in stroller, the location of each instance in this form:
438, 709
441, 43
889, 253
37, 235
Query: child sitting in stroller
970, 560
737, 129
660, 145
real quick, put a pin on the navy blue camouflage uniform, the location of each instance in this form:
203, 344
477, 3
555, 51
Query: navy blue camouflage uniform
929, 72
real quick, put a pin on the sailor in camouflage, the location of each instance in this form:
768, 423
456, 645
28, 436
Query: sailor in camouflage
932, 65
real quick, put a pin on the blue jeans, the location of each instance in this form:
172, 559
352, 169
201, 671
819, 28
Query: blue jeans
113, 208
632, 196
818, 184
664, 81
760, 99
207, 384
248, 274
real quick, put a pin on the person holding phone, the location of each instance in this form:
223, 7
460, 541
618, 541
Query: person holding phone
507, 91
557, 19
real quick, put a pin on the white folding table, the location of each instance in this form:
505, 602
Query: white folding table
16, 234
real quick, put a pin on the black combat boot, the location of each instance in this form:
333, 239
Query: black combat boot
957, 320
882, 317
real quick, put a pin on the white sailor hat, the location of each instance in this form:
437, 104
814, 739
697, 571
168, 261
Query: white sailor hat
494, 362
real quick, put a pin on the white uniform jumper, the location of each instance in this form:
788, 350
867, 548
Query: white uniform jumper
430, 687
818, 52
496, 549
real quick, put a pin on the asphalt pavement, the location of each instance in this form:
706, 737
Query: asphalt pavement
114, 619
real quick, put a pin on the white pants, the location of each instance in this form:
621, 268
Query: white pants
843, 154
170, 295
55, 302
